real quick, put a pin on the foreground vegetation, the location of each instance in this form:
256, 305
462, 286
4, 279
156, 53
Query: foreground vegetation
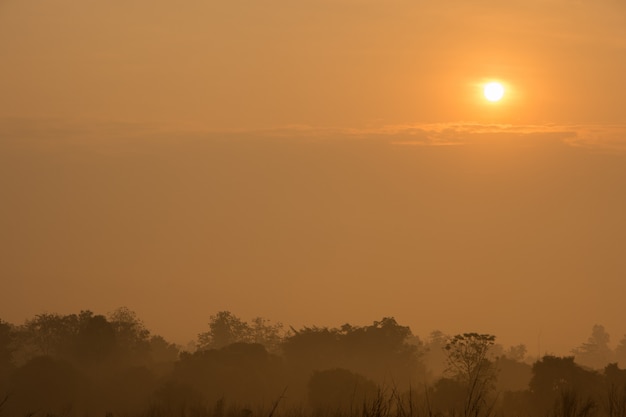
93, 365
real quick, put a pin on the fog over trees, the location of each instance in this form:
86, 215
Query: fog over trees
88, 364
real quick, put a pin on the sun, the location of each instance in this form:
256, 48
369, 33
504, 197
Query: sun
493, 91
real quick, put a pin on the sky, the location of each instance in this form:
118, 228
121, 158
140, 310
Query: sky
317, 162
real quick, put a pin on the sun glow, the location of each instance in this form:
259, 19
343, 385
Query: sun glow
493, 91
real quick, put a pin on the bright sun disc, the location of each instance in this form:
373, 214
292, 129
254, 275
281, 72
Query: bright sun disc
493, 91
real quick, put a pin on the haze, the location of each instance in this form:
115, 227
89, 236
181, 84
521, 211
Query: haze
317, 162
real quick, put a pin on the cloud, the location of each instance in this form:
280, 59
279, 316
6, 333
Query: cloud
467, 133
590, 136
605, 137
46, 133
597, 137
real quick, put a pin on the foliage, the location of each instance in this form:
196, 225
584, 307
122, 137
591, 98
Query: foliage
380, 351
90, 364
267, 334
434, 354
553, 376
469, 363
244, 371
512, 375
131, 334
595, 353
225, 328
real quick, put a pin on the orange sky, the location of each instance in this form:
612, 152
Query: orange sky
317, 162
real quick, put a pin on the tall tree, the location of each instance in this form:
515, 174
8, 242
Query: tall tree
131, 335
312, 348
224, 329
267, 334
48, 335
468, 361
381, 351
95, 340
435, 358
595, 353
554, 377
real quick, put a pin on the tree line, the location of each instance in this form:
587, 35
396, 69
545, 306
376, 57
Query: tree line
112, 365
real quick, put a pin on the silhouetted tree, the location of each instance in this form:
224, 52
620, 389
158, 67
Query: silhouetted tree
131, 336
313, 348
49, 335
267, 334
224, 329
382, 352
96, 340
553, 376
310, 349
512, 374
595, 353
88, 364
161, 351
516, 353
468, 361
241, 372
435, 358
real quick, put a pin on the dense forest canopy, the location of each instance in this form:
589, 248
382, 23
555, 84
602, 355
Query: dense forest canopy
92, 364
